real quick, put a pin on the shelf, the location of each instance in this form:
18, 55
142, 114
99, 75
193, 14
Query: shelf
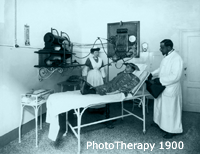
53, 52
46, 71
51, 61
61, 66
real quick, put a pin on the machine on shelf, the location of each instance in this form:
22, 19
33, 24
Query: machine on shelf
57, 49
56, 54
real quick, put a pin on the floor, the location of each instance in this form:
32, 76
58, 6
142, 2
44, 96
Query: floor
125, 138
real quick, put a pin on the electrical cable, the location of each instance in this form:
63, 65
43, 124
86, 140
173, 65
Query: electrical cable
102, 44
85, 45
88, 53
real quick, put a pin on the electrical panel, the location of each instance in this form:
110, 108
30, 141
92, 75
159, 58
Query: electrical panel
123, 39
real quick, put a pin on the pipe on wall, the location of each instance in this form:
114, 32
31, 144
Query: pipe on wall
16, 45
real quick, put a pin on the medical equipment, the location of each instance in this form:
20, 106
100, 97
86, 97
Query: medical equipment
56, 56
56, 104
144, 46
57, 48
55, 40
123, 40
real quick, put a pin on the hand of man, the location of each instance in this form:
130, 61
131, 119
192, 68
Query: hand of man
151, 81
150, 76
157, 81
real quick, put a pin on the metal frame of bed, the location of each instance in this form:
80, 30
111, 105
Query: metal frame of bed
141, 95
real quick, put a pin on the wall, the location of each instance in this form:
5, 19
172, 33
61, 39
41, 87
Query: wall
17, 74
158, 20
84, 21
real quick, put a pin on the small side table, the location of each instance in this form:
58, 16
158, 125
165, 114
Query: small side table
35, 100
67, 83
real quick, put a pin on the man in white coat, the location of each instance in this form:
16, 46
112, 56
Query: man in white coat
168, 106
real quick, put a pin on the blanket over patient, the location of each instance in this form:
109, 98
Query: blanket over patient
65, 101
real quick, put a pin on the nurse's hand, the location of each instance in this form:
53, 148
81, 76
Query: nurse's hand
85, 78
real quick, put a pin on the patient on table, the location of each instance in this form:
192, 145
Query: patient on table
124, 82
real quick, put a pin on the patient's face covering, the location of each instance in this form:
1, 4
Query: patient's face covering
129, 69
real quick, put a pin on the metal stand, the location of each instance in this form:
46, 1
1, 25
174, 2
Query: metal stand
36, 102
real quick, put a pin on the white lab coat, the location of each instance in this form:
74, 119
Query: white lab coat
168, 106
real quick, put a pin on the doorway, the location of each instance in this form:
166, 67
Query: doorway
190, 44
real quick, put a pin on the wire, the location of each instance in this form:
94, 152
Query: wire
82, 57
66, 35
111, 58
86, 45
102, 44
88, 53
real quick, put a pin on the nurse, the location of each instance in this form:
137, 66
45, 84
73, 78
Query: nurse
168, 106
94, 73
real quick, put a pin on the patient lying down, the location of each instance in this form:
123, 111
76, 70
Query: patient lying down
124, 82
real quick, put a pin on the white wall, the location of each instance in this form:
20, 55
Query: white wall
17, 72
84, 21
43, 15
158, 20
